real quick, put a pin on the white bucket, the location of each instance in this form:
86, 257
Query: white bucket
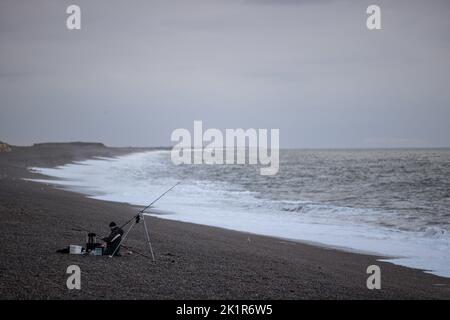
73, 249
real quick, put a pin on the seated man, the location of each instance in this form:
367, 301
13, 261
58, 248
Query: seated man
113, 240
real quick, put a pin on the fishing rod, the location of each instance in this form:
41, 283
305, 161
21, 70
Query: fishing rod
137, 217
143, 210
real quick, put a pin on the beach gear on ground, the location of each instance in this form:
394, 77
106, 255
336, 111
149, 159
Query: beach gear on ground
91, 242
65, 250
97, 251
74, 249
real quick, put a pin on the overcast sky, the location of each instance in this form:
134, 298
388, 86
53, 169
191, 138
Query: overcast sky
137, 70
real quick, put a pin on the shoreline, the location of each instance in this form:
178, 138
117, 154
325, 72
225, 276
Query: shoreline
192, 261
397, 246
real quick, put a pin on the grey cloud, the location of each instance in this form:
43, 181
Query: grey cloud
138, 70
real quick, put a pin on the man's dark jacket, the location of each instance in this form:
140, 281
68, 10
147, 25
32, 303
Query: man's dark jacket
113, 240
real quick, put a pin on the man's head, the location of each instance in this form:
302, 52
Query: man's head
112, 225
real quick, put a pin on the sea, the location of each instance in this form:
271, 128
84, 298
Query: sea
394, 203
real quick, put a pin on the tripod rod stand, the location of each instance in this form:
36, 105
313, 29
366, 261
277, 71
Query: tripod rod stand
137, 218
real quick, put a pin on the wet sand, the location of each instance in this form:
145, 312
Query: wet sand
192, 261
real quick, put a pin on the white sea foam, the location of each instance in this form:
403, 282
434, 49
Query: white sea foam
139, 178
